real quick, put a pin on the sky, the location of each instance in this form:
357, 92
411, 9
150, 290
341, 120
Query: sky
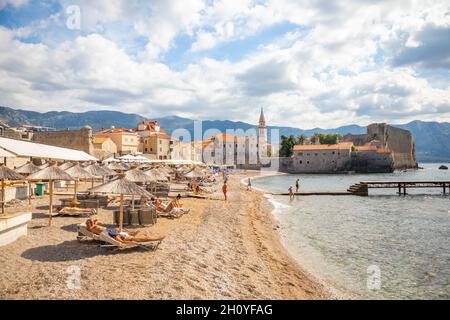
311, 63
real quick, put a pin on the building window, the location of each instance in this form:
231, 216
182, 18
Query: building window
300, 162
316, 154
307, 162
333, 152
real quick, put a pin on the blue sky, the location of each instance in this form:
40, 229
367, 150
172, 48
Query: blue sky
308, 63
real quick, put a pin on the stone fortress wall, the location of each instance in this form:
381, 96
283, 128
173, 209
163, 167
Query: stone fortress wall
71, 139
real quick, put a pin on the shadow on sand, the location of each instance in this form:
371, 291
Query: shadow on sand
71, 251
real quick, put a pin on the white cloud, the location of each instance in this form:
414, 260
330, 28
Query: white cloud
358, 62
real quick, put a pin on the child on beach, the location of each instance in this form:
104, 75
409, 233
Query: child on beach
225, 190
297, 185
249, 184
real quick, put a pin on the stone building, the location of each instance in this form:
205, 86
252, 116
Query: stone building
319, 158
81, 139
126, 140
155, 142
104, 147
244, 152
399, 141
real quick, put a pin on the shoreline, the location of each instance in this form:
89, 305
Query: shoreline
332, 290
220, 250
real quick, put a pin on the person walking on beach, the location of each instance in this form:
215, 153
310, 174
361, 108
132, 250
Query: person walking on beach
291, 193
249, 185
225, 190
297, 185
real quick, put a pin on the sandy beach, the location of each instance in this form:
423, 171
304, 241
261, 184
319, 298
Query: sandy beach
220, 250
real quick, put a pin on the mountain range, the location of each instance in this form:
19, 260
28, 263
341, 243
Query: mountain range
432, 138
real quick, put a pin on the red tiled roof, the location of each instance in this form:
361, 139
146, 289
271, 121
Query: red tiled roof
338, 146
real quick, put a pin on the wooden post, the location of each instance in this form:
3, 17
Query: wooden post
3, 196
399, 189
29, 192
50, 208
75, 196
121, 213
404, 189
443, 185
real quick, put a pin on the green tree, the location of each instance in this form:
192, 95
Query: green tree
328, 138
287, 145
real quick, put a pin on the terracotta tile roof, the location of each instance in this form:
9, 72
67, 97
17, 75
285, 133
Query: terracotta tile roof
338, 146
366, 148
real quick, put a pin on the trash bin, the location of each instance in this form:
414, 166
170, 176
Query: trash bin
40, 188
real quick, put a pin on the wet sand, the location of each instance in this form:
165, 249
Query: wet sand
220, 250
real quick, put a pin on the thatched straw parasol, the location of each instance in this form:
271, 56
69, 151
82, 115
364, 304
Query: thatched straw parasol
121, 187
117, 166
45, 165
78, 173
28, 169
136, 176
50, 174
7, 174
66, 165
99, 171
194, 174
157, 174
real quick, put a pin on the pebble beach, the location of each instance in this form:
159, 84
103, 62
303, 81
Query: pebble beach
219, 250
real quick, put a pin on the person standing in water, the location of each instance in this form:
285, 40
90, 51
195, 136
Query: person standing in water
297, 185
291, 193
249, 185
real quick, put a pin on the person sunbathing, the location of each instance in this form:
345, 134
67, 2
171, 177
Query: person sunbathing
123, 237
175, 206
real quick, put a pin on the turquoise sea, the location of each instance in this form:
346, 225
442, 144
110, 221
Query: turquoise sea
383, 246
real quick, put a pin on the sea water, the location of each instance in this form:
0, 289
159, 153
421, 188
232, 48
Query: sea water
384, 246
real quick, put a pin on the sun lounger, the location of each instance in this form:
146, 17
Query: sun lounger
109, 242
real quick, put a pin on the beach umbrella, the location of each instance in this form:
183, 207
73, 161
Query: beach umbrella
51, 174
99, 171
66, 165
128, 158
136, 176
121, 187
78, 173
44, 165
194, 174
7, 174
141, 159
28, 169
117, 166
159, 176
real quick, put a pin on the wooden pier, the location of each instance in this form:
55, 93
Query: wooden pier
362, 188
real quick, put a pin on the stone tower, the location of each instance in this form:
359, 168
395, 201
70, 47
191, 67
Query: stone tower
262, 130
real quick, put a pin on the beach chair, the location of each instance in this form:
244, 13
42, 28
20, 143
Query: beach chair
109, 242
114, 244
85, 234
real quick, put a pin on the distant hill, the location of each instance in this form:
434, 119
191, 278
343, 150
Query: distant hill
432, 138
62, 120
